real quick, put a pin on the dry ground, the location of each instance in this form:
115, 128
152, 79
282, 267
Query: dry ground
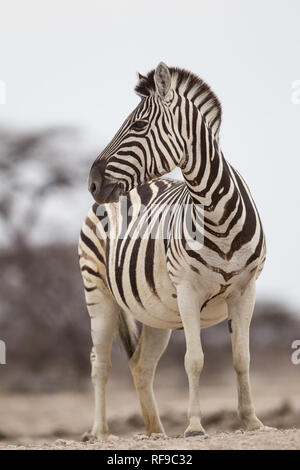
57, 421
268, 440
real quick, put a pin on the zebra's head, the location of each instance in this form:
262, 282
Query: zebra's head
156, 136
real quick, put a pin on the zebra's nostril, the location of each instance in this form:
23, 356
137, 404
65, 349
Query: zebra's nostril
93, 187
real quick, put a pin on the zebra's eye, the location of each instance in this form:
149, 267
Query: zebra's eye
139, 125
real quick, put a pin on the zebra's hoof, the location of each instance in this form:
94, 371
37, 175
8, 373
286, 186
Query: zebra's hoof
90, 437
194, 433
87, 436
267, 428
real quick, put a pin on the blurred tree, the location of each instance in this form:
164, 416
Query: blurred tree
43, 322
32, 167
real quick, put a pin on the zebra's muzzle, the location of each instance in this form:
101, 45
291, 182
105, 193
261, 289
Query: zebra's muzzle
103, 190
106, 192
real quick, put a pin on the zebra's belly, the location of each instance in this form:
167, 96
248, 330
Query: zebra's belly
158, 314
215, 312
145, 290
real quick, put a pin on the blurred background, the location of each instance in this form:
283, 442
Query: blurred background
67, 74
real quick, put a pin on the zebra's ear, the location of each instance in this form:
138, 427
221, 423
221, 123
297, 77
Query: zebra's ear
142, 86
162, 79
141, 77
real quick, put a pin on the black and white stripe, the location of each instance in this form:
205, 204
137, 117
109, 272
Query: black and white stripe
142, 274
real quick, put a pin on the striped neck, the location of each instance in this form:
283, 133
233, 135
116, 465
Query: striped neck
207, 174
220, 193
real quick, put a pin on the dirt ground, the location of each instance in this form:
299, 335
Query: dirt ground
267, 440
57, 421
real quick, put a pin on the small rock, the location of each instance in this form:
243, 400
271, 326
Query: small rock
60, 442
140, 437
158, 435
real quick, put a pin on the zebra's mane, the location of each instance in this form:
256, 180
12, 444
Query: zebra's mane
191, 86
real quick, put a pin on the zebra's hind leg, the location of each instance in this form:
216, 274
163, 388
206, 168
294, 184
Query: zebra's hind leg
103, 311
151, 345
240, 313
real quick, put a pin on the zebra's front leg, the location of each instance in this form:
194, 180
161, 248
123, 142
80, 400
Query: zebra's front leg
189, 306
104, 313
151, 345
240, 314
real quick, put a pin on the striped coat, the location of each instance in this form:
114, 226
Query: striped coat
171, 254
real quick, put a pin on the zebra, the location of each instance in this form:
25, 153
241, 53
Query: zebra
164, 281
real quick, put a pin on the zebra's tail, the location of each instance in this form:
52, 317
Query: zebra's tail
128, 332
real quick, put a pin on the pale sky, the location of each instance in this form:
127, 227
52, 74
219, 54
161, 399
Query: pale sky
75, 62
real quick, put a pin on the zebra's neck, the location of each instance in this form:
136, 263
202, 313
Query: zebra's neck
208, 176
217, 189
